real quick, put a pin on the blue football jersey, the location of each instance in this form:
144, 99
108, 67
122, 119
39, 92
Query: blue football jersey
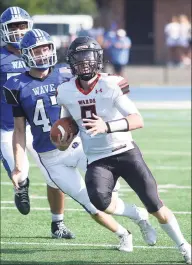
11, 65
35, 99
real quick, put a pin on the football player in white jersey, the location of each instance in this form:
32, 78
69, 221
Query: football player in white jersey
37, 102
106, 117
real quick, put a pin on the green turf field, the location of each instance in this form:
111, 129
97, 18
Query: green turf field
165, 142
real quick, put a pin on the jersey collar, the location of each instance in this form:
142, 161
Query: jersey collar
78, 85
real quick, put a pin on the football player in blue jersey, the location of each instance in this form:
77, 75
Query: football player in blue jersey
15, 22
32, 95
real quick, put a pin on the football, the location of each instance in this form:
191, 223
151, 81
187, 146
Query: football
60, 127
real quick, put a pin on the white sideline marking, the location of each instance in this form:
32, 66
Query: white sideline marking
8, 183
166, 186
7, 202
158, 167
170, 168
161, 152
80, 244
66, 209
169, 125
179, 139
123, 191
164, 105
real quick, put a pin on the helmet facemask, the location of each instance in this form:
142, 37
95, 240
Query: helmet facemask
40, 56
85, 63
13, 31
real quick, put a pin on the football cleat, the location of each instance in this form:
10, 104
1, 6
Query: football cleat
185, 250
22, 201
148, 232
126, 243
59, 230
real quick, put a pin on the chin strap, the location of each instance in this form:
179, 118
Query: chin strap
15, 45
42, 69
86, 77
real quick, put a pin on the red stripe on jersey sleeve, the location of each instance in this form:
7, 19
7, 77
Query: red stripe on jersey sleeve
123, 84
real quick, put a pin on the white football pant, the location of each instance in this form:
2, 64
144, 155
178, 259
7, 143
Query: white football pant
62, 167
67, 178
72, 157
8, 158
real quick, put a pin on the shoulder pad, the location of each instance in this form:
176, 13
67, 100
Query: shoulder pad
118, 80
12, 91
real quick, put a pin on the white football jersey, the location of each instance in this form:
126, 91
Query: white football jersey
106, 99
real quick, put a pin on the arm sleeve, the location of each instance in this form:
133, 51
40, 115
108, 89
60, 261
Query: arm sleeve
64, 112
121, 101
18, 111
11, 96
61, 102
60, 99
11, 91
125, 106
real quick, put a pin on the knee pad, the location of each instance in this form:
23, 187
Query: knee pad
100, 200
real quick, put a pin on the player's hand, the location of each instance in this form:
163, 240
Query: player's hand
63, 143
97, 125
15, 176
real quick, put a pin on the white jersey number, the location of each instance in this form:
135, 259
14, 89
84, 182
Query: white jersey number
87, 111
9, 75
40, 116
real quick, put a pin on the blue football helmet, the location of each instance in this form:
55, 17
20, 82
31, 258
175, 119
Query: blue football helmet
14, 16
42, 58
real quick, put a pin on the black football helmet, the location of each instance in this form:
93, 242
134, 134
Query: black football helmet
85, 57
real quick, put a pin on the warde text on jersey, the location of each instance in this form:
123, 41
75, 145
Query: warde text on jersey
87, 101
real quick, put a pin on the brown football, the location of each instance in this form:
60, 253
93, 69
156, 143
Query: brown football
60, 127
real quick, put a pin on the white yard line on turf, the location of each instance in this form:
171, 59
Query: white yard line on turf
67, 209
164, 186
170, 168
174, 140
164, 105
80, 244
165, 152
152, 167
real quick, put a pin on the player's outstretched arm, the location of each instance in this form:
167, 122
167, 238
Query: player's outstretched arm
19, 144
